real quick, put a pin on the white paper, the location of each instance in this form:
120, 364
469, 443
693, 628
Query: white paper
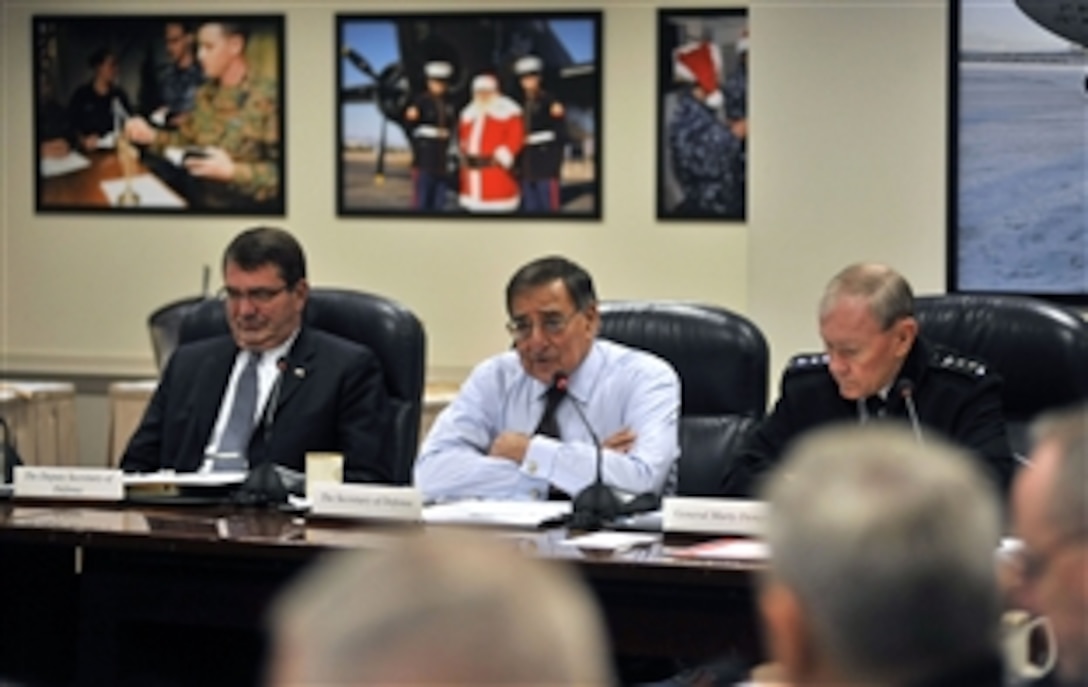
59, 166
152, 192
509, 513
29, 389
184, 479
135, 385
611, 541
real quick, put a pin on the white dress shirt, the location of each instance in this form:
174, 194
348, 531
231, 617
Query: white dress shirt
617, 387
267, 371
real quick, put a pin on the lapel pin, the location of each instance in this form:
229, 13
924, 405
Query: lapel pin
299, 372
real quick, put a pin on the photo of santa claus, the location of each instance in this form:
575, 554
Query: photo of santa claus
467, 114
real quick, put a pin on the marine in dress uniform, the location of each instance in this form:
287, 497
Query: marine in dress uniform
545, 133
954, 396
430, 118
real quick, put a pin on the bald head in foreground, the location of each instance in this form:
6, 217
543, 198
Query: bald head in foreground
882, 563
1050, 517
438, 609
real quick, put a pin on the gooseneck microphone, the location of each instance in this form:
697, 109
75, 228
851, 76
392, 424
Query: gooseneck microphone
273, 401
264, 485
597, 504
905, 388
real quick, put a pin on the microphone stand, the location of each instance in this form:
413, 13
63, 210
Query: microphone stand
264, 485
596, 505
905, 388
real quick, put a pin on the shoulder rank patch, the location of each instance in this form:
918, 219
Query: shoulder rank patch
955, 362
807, 361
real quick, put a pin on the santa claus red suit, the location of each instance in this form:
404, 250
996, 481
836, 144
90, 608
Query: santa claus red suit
491, 135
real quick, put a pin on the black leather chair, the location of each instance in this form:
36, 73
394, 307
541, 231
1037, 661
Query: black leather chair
389, 329
164, 325
722, 361
1039, 348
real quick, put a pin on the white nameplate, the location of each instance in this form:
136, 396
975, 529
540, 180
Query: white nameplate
714, 516
84, 484
366, 501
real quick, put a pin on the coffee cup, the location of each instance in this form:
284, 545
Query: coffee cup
1028, 644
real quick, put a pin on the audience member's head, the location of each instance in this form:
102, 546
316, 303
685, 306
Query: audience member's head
1050, 516
438, 609
553, 316
882, 560
868, 327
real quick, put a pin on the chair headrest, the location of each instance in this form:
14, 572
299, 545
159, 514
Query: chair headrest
720, 356
1039, 348
390, 330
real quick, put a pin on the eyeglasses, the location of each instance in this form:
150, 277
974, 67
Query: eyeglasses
1033, 564
258, 296
552, 324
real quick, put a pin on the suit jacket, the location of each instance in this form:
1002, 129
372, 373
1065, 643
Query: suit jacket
955, 397
332, 398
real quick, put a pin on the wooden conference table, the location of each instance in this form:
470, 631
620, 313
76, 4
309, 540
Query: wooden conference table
175, 595
83, 188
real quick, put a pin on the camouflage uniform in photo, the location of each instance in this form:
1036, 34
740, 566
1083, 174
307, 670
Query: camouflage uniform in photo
243, 120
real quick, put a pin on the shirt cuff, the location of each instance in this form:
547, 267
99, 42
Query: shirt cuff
539, 461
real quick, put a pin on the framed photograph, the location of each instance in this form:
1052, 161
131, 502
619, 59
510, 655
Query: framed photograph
159, 114
702, 114
1018, 192
469, 114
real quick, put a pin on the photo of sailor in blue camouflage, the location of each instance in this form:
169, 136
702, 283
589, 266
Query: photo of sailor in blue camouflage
702, 114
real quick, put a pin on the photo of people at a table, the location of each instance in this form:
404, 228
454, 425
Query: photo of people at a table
164, 113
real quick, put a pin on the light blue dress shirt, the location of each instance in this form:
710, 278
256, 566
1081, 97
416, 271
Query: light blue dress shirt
617, 387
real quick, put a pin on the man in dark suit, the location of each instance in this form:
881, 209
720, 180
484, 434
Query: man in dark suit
876, 366
215, 395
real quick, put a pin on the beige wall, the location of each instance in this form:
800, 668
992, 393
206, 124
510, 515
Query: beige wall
847, 162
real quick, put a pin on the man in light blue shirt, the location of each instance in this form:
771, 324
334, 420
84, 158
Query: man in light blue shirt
497, 440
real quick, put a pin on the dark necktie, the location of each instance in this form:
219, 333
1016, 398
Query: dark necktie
876, 406
239, 427
548, 426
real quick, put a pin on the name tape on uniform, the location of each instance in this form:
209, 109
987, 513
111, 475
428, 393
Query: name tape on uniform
366, 501
83, 484
714, 516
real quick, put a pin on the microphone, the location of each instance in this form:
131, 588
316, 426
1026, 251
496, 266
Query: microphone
273, 401
905, 388
267, 484
597, 504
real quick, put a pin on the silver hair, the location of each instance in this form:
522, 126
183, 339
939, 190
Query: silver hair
448, 608
1067, 505
888, 293
889, 547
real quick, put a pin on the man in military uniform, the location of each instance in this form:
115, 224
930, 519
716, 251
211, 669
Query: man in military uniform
178, 80
876, 366
232, 138
545, 130
429, 119
704, 148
